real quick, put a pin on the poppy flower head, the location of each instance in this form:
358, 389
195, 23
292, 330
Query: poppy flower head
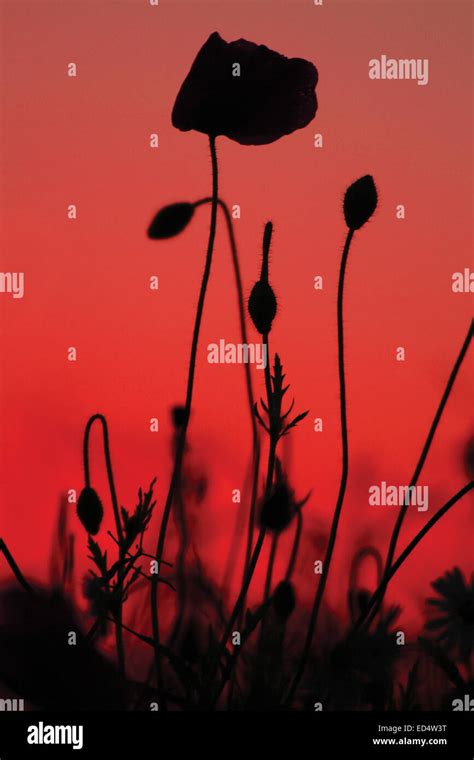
453, 619
247, 92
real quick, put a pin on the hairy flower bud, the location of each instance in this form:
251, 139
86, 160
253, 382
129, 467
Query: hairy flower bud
170, 221
89, 510
262, 303
360, 202
262, 306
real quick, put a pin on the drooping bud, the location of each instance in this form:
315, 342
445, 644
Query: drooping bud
360, 202
89, 510
262, 303
170, 221
284, 600
278, 510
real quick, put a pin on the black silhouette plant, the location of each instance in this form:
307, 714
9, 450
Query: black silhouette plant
254, 96
268, 97
37, 663
170, 221
178, 212
274, 98
362, 666
284, 600
360, 202
262, 302
90, 510
281, 506
452, 619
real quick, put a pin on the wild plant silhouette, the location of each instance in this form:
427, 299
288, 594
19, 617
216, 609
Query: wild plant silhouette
284, 657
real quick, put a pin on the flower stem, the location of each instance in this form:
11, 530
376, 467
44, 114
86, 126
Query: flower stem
118, 524
380, 591
238, 607
344, 473
424, 454
176, 476
14, 567
248, 376
270, 566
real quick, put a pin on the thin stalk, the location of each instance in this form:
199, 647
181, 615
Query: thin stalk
344, 473
118, 524
380, 591
427, 446
261, 536
248, 376
238, 607
176, 476
14, 567
270, 566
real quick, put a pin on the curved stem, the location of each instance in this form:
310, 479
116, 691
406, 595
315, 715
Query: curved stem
344, 473
380, 591
118, 523
248, 376
14, 567
108, 463
427, 445
374, 604
176, 476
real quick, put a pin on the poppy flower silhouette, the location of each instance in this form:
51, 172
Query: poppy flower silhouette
247, 92
252, 95
453, 616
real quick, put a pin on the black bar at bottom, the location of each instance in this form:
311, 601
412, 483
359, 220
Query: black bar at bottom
317, 735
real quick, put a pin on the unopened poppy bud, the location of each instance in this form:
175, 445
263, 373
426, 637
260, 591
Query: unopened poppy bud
360, 202
284, 600
262, 306
262, 303
89, 510
278, 510
170, 221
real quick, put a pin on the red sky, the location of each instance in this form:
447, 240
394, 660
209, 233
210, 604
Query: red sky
86, 141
